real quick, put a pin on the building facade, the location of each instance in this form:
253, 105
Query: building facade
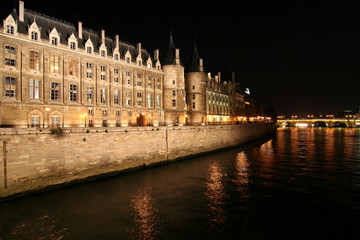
53, 73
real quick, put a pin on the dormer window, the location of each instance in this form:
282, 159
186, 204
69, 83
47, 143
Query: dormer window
89, 46
54, 37
10, 25
34, 32
127, 60
72, 42
102, 50
139, 63
128, 57
116, 57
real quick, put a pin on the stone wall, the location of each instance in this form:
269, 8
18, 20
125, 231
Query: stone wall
33, 159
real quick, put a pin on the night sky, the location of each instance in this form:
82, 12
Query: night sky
299, 57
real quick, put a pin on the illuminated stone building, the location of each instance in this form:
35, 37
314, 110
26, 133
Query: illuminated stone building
54, 73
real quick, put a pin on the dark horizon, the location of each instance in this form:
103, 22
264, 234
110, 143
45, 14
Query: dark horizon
297, 57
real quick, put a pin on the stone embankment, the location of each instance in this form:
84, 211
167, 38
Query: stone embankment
34, 159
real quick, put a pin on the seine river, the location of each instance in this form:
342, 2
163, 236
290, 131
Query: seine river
301, 183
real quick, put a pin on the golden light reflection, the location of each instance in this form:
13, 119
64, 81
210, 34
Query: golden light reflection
216, 193
44, 227
241, 166
145, 215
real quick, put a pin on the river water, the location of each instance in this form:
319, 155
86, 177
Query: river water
300, 183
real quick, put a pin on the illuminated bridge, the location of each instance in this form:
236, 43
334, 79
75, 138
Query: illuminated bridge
319, 122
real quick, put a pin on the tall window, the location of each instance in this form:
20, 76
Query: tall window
116, 97
34, 60
10, 55
149, 100
10, 87
89, 70
54, 64
174, 103
73, 92
103, 95
89, 93
34, 86
72, 67
54, 91
55, 121
158, 100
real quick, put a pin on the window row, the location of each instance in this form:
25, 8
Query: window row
10, 58
10, 85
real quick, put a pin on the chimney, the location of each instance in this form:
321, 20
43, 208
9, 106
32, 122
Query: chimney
21, 11
117, 41
216, 78
201, 65
156, 54
138, 48
219, 74
233, 76
102, 36
80, 29
177, 56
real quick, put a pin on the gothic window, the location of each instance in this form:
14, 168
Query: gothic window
54, 91
73, 92
10, 26
34, 60
10, 87
34, 89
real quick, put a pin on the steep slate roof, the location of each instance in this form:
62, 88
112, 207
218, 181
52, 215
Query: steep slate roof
169, 58
65, 29
193, 64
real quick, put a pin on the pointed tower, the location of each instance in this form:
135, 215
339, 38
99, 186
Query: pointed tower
195, 86
174, 86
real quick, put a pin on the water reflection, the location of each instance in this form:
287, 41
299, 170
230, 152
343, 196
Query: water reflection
241, 174
145, 215
216, 193
44, 227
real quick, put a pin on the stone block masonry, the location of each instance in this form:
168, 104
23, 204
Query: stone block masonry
33, 159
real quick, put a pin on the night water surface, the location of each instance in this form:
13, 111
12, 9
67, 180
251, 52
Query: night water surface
302, 183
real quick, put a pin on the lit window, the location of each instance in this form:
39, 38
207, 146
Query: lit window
103, 95
89, 93
54, 64
116, 97
34, 60
72, 67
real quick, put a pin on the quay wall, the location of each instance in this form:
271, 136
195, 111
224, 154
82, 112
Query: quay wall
33, 159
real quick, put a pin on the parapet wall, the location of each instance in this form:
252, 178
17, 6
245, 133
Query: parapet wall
33, 159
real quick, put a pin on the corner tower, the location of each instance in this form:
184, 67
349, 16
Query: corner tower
174, 86
195, 85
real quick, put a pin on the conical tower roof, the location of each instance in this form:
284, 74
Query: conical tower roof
169, 58
193, 64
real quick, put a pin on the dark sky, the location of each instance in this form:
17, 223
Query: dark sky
299, 57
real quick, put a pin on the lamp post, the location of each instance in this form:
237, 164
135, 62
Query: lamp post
85, 118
